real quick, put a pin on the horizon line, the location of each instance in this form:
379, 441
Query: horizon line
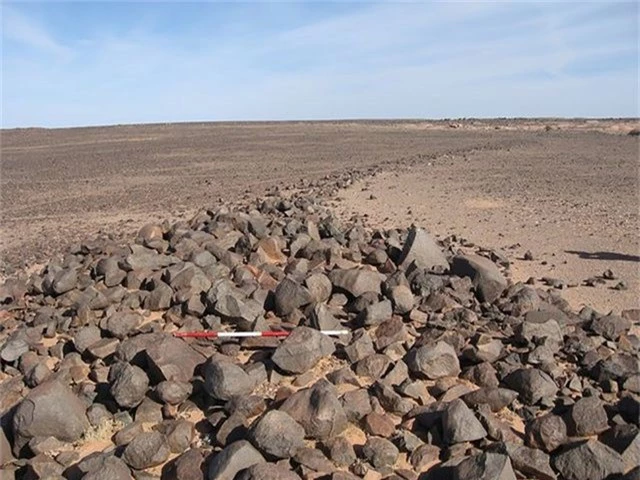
327, 120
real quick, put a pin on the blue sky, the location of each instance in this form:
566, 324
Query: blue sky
90, 63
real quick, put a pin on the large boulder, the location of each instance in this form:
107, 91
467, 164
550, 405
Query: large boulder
489, 283
49, 410
422, 249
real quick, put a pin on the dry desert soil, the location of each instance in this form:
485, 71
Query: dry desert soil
566, 191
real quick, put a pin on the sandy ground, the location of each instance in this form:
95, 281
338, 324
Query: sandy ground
571, 199
569, 194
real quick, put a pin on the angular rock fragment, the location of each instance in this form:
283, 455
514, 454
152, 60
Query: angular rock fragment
356, 281
178, 433
610, 326
13, 349
380, 452
459, 424
422, 249
424, 457
318, 410
532, 385
314, 459
224, 379
373, 366
378, 425
434, 361
529, 331
146, 450
302, 349
587, 417
496, 398
110, 468
121, 324
624, 439
173, 393
319, 287
128, 384
487, 279
486, 466
546, 432
402, 299
171, 358
341, 452
590, 459
290, 295
49, 410
322, 319
86, 337
277, 434
361, 346
267, 471
186, 466
233, 459
530, 461
376, 313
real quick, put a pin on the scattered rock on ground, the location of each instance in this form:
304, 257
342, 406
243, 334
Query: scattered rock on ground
449, 369
302, 349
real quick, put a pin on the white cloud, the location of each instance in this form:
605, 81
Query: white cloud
25, 30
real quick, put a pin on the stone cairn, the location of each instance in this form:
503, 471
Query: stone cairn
449, 370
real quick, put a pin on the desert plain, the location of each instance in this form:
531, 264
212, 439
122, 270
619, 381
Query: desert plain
451, 299
565, 190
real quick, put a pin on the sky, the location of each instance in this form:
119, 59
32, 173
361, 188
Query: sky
91, 63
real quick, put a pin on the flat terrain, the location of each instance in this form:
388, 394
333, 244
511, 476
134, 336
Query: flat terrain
569, 194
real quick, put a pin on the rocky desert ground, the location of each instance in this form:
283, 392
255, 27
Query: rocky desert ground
486, 273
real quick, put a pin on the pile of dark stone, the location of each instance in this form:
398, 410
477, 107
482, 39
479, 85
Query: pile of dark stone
450, 370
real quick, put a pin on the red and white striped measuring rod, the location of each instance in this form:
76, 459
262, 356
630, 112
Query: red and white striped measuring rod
280, 333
